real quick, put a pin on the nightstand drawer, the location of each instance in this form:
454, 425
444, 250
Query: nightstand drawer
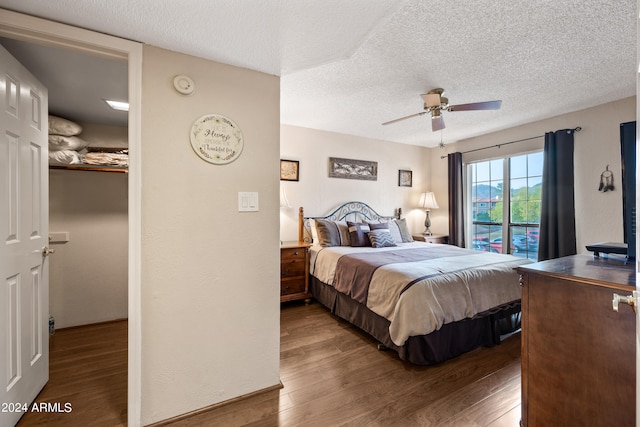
294, 271
292, 268
289, 254
293, 286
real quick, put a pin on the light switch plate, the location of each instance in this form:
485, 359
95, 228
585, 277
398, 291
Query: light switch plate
58, 237
247, 201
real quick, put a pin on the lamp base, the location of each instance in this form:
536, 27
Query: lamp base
427, 224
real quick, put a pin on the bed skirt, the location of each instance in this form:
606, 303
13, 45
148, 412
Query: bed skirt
451, 340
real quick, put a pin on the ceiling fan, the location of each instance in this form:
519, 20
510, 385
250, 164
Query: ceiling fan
435, 104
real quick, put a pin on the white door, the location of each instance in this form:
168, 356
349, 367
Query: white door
24, 231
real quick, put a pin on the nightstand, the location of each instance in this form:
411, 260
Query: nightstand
294, 271
434, 238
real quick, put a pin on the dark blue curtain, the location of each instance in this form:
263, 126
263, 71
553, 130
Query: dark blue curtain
557, 211
456, 203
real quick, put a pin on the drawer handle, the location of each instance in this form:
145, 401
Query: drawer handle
617, 299
284, 272
296, 253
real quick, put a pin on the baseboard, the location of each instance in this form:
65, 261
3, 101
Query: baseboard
216, 406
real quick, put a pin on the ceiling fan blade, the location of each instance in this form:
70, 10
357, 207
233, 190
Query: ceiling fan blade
437, 123
487, 105
431, 99
404, 118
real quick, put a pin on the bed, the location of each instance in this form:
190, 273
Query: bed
428, 302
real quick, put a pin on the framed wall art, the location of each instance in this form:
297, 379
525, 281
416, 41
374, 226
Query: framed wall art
289, 170
353, 169
405, 178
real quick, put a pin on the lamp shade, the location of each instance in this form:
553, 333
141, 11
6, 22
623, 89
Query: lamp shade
428, 201
284, 202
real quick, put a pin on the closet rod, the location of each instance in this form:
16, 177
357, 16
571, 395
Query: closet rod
576, 129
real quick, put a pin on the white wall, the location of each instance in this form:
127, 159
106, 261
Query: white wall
210, 275
88, 274
598, 215
317, 193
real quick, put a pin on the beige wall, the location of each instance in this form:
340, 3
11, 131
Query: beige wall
88, 274
598, 215
210, 275
318, 193
598, 218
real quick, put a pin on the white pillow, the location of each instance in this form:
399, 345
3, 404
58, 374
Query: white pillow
61, 142
64, 157
314, 231
60, 126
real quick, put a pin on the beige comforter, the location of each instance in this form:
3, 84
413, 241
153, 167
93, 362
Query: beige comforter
418, 297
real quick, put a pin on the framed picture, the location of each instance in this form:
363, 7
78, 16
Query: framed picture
353, 169
289, 170
405, 178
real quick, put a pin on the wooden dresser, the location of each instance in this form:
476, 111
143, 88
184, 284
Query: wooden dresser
294, 271
578, 354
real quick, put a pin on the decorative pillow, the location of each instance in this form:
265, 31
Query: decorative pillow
398, 229
405, 234
378, 225
60, 126
61, 142
331, 233
381, 238
358, 234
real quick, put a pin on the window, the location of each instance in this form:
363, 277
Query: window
510, 214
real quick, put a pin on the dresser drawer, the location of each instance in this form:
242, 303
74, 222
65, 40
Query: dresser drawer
293, 286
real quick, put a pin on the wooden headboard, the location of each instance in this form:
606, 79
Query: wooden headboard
350, 211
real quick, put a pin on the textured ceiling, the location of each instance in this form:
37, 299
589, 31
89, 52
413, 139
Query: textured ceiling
349, 65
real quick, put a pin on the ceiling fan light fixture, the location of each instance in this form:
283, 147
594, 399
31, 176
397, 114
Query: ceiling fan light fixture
432, 99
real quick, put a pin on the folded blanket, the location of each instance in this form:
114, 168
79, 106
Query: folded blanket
111, 159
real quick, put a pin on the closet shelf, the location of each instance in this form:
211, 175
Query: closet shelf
92, 168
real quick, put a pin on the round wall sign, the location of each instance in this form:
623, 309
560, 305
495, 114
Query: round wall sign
216, 139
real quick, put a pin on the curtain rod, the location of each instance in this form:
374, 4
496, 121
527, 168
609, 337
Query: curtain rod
576, 129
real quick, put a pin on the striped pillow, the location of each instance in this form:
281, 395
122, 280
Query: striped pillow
331, 233
381, 238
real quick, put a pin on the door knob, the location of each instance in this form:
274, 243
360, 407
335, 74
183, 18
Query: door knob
46, 251
629, 299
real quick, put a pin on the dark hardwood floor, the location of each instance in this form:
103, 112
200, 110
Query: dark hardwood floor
333, 375
88, 370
